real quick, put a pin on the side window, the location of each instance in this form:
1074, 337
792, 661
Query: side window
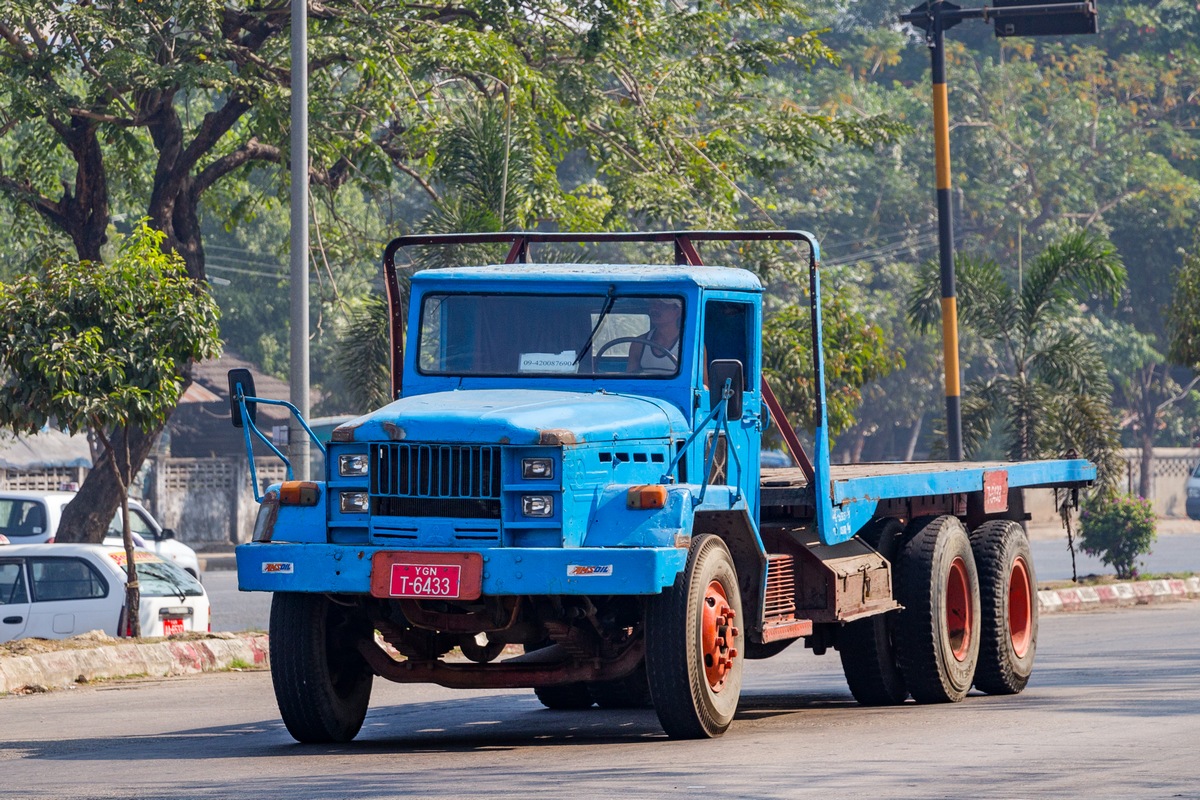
12, 583
65, 579
727, 335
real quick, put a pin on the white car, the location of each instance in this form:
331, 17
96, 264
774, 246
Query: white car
52, 591
33, 517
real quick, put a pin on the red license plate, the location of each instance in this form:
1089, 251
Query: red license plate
172, 627
425, 580
427, 575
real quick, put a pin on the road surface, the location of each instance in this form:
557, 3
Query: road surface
1113, 711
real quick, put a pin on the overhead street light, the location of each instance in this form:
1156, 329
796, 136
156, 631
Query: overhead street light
1011, 18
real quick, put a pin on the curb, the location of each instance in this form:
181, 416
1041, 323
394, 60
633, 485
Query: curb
61, 669
214, 562
1116, 595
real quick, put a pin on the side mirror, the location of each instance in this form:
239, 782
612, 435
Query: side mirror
166, 533
241, 380
720, 371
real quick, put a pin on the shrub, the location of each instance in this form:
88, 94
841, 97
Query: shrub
1118, 529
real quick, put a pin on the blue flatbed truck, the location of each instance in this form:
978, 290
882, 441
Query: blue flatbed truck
571, 466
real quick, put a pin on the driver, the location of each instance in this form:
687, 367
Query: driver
665, 315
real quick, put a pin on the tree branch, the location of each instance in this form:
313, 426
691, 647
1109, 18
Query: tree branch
252, 150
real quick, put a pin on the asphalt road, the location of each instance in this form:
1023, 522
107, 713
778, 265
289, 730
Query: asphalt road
1113, 711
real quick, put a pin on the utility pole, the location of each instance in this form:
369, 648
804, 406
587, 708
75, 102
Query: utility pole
1012, 18
298, 364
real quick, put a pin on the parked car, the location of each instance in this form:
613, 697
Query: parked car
33, 517
775, 458
52, 591
1193, 494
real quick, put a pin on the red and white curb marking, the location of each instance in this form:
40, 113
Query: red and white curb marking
1082, 598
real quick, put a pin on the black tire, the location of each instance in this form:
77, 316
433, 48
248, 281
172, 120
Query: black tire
566, 697
562, 697
1008, 600
322, 683
866, 646
632, 691
937, 632
687, 624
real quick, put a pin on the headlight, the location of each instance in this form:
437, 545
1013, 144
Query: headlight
535, 468
537, 505
354, 502
1194, 491
353, 466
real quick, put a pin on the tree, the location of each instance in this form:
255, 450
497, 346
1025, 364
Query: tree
148, 107
1042, 387
855, 354
100, 347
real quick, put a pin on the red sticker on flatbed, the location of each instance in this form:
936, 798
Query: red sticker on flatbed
428, 576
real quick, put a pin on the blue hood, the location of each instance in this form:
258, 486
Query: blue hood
517, 416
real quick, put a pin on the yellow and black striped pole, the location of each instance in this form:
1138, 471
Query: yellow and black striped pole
941, 148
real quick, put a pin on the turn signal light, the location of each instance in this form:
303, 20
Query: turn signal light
298, 493
647, 496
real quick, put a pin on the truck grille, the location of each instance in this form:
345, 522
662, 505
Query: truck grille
422, 480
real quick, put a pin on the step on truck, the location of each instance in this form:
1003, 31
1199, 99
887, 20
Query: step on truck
565, 495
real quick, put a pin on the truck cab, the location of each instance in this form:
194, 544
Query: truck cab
530, 393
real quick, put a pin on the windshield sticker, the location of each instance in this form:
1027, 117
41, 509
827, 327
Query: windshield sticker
589, 570
557, 363
281, 567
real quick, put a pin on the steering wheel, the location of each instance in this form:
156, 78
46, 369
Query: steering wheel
642, 340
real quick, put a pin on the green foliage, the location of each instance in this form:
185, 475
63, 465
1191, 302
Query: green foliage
102, 345
856, 353
1118, 529
363, 355
1183, 314
1041, 385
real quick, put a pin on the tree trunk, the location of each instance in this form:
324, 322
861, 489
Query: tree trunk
914, 437
86, 517
1147, 460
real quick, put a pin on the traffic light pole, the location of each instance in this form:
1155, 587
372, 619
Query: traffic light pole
1011, 19
941, 152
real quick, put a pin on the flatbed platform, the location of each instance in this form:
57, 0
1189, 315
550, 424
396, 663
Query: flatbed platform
788, 486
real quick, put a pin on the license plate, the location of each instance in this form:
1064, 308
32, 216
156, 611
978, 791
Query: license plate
427, 576
172, 627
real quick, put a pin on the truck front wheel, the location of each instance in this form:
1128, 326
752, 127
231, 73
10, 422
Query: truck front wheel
322, 683
1007, 589
694, 643
937, 632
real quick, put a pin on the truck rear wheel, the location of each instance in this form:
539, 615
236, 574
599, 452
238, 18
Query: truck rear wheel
867, 646
322, 683
565, 697
632, 691
693, 644
938, 628
1007, 587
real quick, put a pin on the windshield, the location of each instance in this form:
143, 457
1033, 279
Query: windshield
22, 518
550, 335
162, 579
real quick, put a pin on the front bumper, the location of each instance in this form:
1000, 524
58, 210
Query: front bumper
346, 569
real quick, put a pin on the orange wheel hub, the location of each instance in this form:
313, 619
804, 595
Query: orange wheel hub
1020, 608
958, 610
719, 635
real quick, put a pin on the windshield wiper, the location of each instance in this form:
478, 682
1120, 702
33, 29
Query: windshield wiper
608, 304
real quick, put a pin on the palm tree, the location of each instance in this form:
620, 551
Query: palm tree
1041, 385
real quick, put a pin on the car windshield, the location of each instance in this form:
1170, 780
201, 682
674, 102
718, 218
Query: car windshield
22, 518
163, 579
550, 335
